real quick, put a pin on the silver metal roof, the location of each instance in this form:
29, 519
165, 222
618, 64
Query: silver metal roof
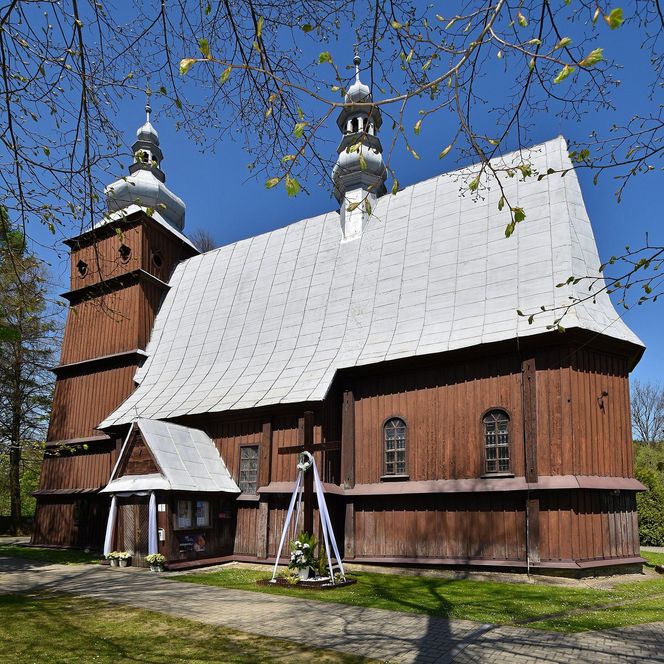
270, 319
187, 458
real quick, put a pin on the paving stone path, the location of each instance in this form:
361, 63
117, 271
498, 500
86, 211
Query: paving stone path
384, 635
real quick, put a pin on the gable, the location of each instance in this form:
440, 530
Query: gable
138, 459
271, 319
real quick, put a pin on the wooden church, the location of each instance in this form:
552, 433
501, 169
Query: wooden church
448, 430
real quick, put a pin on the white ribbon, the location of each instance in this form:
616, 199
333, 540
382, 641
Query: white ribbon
305, 462
110, 525
153, 545
287, 522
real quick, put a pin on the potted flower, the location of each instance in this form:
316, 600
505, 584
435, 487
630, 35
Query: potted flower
156, 561
113, 558
302, 557
124, 558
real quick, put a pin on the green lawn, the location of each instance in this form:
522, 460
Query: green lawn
62, 629
61, 556
482, 601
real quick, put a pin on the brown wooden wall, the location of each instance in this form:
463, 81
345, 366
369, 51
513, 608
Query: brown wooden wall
103, 259
443, 408
82, 469
588, 525
82, 401
140, 460
450, 526
246, 529
55, 523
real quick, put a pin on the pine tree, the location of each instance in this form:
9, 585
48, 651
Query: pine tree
26, 353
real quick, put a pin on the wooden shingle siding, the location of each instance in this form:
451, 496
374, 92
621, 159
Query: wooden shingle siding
82, 401
80, 469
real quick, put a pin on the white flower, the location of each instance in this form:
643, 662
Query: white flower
305, 546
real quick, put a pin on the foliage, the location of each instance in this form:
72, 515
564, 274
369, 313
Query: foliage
483, 601
66, 629
55, 556
26, 356
256, 70
303, 552
203, 240
118, 555
649, 470
647, 402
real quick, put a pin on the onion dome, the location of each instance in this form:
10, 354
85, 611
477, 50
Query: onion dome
145, 185
358, 92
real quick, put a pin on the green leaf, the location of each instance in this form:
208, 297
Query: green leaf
417, 156
208, 9
272, 182
395, 186
614, 19
299, 129
564, 73
363, 163
592, 58
307, 27
396, 25
9, 333
259, 26
367, 206
446, 151
47, 150
417, 127
292, 186
534, 42
186, 64
474, 184
288, 157
519, 215
324, 57
509, 229
353, 206
178, 103
225, 74
562, 43
522, 20
204, 47
501, 203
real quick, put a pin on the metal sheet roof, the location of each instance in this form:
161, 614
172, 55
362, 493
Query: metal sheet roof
187, 458
270, 319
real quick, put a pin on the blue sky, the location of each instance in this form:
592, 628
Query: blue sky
224, 199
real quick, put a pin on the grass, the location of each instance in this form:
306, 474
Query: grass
61, 556
560, 608
62, 629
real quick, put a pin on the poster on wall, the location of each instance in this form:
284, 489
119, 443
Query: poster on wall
192, 542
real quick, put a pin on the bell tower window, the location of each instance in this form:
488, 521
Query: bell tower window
125, 253
82, 268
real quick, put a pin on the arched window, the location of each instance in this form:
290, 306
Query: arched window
394, 436
496, 442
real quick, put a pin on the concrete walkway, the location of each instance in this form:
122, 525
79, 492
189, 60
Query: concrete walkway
383, 635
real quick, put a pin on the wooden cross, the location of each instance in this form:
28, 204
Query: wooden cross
308, 445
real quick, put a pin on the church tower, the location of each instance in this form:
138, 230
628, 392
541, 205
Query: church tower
120, 270
359, 173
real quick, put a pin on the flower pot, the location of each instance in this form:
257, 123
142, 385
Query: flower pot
124, 562
303, 573
114, 562
157, 568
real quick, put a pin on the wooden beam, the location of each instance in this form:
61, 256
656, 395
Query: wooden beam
262, 529
348, 440
349, 532
533, 513
329, 445
265, 460
529, 397
308, 497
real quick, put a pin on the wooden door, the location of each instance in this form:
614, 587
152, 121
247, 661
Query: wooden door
134, 531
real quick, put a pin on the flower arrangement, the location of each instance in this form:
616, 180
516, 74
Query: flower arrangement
123, 555
155, 559
303, 557
120, 558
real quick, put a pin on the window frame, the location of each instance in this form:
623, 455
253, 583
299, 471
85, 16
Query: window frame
485, 459
239, 472
383, 429
193, 504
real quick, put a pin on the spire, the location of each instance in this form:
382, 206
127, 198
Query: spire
145, 186
359, 173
